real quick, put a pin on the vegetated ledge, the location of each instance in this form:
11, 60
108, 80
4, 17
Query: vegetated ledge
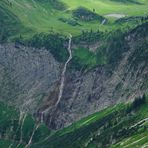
84, 14
107, 51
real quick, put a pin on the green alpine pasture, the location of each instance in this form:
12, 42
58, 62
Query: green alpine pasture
23, 19
41, 16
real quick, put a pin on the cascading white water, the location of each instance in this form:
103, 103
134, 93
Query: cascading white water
19, 124
64, 70
22, 117
61, 88
30, 140
23, 120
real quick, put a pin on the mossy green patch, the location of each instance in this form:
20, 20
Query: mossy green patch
83, 58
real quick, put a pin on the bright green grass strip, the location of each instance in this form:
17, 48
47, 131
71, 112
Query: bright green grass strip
137, 140
41, 17
141, 113
90, 119
103, 7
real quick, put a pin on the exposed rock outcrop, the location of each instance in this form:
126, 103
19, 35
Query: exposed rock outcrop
103, 86
27, 76
30, 80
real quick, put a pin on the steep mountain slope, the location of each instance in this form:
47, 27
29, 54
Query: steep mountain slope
35, 88
10, 25
122, 79
61, 61
117, 126
27, 75
17, 128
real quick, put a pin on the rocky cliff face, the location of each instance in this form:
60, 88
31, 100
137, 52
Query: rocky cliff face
27, 76
96, 89
29, 79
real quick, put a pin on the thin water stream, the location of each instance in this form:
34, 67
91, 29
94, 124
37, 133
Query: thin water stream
62, 82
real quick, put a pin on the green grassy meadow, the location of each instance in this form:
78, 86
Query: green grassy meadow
40, 16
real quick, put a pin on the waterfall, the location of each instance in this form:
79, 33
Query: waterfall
61, 88
64, 71
19, 122
22, 117
30, 140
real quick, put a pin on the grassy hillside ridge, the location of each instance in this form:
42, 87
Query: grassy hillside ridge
43, 16
104, 128
118, 125
128, 1
35, 20
111, 6
10, 25
55, 4
138, 140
